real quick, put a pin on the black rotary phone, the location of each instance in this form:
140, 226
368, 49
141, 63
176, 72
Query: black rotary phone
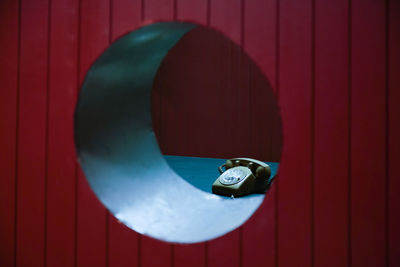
242, 176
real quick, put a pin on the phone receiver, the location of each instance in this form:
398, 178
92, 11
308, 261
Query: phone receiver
242, 176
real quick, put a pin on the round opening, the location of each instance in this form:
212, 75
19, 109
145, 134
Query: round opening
210, 102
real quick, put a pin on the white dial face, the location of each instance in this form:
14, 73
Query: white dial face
233, 175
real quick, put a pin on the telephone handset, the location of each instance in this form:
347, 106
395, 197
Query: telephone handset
242, 176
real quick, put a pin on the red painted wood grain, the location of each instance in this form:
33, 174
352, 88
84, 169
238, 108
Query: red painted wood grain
226, 16
155, 253
295, 97
312, 218
368, 134
393, 143
260, 42
61, 159
125, 17
9, 36
92, 224
123, 247
32, 139
225, 250
190, 255
155, 10
331, 132
194, 11
259, 233
260, 35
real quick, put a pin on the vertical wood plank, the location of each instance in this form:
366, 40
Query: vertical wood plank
368, 133
123, 242
190, 255
31, 170
155, 253
331, 133
260, 32
393, 56
123, 246
61, 168
295, 94
194, 254
92, 225
225, 250
153, 11
225, 16
125, 17
194, 11
9, 34
258, 245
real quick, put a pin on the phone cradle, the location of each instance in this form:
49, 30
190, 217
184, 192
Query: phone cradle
242, 176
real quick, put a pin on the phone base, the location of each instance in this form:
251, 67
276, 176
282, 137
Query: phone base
246, 186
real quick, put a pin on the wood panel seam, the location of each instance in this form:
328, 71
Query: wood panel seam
17, 133
312, 141
46, 174
387, 129
78, 69
349, 132
277, 84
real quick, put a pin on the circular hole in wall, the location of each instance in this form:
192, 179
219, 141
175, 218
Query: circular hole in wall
210, 102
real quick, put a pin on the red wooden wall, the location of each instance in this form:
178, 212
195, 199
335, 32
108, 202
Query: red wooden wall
335, 68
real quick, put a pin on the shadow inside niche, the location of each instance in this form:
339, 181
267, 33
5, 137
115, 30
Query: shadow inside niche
210, 102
